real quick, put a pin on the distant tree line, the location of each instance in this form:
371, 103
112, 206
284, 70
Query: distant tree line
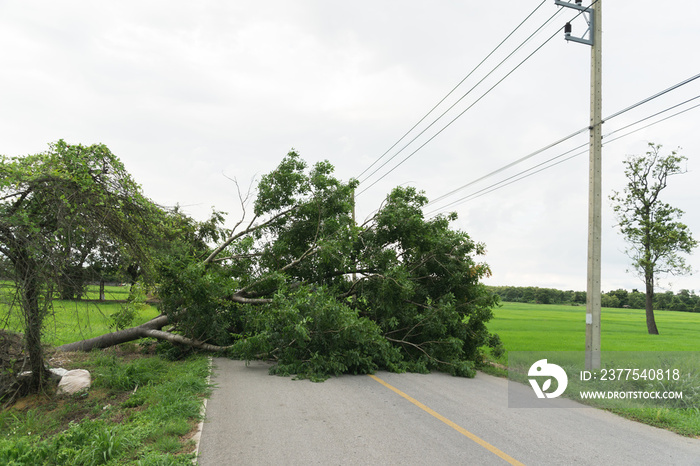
684, 300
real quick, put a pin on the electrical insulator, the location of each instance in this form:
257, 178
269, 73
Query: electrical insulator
588, 14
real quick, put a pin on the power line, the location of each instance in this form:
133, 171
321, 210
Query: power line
461, 113
517, 177
472, 195
496, 186
614, 115
452, 91
655, 115
653, 123
453, 105
520, 160
648, 99
503, 184
474, 103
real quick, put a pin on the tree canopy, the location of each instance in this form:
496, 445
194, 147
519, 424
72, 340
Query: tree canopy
58, 210
301, 284
652, 228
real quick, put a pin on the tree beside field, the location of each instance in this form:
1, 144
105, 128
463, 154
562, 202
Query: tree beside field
56, 208
657, 239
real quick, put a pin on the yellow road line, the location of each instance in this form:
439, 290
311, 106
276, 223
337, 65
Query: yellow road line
456, 427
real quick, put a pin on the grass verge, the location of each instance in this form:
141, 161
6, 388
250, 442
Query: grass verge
141, 410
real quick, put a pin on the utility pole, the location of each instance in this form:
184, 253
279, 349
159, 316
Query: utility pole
593, 295
354, 224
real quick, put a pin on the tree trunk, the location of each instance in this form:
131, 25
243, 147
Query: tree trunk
33, 317
150, 329
116, 338
651, 322
102, 289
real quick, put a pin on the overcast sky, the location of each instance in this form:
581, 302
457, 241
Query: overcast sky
190, 94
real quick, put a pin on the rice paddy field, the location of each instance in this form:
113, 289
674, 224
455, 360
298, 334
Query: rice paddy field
560, 328
543, 327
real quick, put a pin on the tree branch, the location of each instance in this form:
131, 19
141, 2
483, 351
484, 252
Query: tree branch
238, 256
179, 339
418, 347
239, 294
249, 229
240, 299
17, 193
150, 329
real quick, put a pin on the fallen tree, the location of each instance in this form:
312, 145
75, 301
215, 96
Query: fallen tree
118, 337
303, 285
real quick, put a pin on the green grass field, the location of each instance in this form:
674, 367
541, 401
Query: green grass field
71, 321
541, 327
86, 320
556, 328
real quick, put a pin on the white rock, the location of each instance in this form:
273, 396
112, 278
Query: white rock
73, 382
59, 371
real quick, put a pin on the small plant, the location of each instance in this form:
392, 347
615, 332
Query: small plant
177, 427
160, 459
128, 311
106, 445
124, 317
113, 374
167, 444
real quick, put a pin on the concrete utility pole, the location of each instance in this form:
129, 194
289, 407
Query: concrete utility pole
593, 294
354, 224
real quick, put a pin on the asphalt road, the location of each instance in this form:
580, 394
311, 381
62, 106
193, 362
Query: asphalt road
392, 419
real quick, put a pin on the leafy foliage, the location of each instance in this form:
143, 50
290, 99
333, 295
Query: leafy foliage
129, 310
313, 334
306, 287
683, 300
537, 295
425, 293
649, 225
59, 210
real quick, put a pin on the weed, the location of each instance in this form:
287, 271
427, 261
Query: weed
177, 427
160, 459
117, 376
106, 445
167, 444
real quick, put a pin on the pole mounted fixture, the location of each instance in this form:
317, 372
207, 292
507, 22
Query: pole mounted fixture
587, 37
